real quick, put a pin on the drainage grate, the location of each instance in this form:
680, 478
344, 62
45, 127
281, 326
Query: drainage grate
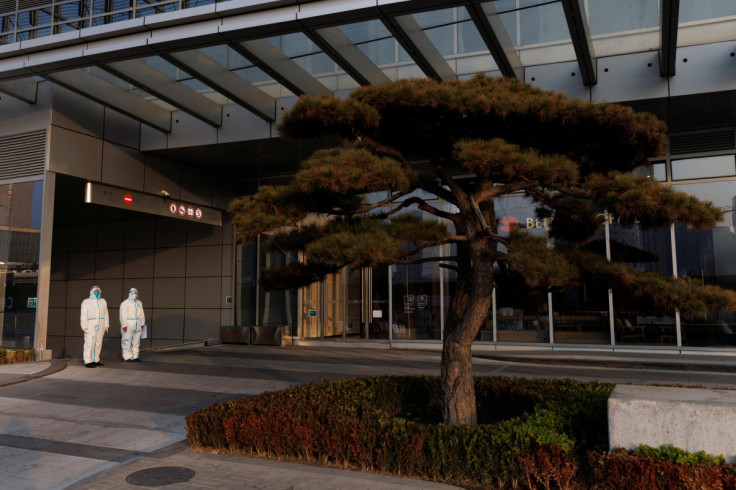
160, 476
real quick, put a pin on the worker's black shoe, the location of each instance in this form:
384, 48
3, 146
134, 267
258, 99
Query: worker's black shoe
99, 364
90, 365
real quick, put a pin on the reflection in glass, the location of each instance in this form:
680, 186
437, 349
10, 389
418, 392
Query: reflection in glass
542, 24
691, 10
416, 294
469, 39
581, 313
20, 233
606, 16
709, 256
316, 63
522, 313
416, 301
246, 277
703, 168
361, 32
381, 52
277, 308
636, 320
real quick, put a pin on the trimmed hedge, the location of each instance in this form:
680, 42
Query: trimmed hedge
531, 433
10, 356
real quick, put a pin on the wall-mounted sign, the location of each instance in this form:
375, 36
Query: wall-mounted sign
116, 197
32, 303
312, 313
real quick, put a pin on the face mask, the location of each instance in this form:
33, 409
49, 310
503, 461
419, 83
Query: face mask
134, 296
97, 294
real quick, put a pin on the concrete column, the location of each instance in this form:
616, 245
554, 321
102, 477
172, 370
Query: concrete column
44, 265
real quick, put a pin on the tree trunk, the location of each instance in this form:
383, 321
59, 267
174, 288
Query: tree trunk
469, 309
458, 391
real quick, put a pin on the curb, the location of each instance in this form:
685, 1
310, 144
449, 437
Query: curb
56, 366
615, 363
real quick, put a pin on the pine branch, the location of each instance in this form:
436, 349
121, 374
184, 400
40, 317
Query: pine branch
422, 204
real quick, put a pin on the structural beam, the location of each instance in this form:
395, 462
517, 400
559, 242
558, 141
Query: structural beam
24, 89
491, 29
668, 34
110, 95
415, 41
338, 46
280, 67
167, 89
577, 22
218, 77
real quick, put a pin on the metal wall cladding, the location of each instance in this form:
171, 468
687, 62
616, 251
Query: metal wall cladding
22, 155
701, 141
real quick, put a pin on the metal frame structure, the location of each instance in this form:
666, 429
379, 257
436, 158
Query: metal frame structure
68, 36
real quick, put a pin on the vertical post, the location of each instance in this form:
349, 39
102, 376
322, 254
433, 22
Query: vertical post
494, 315
673, 245
611, 324
391, 303
258, 277
551, 318
345, 303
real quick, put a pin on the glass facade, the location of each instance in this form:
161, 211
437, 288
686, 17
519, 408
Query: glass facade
409, 302
20, 241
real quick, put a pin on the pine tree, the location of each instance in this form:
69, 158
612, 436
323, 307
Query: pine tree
574, 159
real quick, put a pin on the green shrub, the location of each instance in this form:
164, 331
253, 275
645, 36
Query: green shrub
679, 456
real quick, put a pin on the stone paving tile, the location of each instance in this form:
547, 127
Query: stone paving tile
226, 472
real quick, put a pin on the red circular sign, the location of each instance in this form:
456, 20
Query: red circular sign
508, 224
128, 199
182, 210
198, 213
172, 208
190, 211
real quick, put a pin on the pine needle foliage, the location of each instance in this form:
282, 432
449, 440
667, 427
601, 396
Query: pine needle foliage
355, 204
573, 158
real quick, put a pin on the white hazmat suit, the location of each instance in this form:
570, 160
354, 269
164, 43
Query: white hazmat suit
132, 322
95, 322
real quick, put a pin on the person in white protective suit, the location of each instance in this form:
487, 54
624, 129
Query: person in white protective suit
132, 323
95, 322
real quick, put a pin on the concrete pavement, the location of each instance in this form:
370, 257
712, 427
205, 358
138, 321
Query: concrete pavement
65, 426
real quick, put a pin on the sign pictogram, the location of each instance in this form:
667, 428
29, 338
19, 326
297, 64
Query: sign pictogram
190, 211
128, 199
172, 208
198, 213
182, 209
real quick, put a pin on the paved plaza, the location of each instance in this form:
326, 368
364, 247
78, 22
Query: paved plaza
64, 426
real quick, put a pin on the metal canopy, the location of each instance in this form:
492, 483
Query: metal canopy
167, 89
268, 58
414, 40
493, 32
221, 79
24, 89
338, 46
110, 95
360, 36
577, 22
668, 37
